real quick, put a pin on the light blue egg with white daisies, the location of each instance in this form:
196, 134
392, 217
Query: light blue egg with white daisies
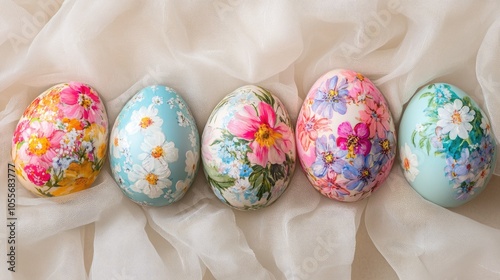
446, 145
154, 147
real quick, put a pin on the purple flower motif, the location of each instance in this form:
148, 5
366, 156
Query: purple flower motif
361, 174
487, 148
355, 141
457, 170
329, 158
331, 96
384, 148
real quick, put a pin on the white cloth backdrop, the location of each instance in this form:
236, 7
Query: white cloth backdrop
204, 50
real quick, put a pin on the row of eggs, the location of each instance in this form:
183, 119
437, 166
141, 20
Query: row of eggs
345, 140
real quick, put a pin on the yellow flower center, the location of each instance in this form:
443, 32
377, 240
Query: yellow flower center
456, 118
352, 142
365, 173
266, 136
386, 145
38, 146
360, 77
85, 102
332, 94
406, 164
157, 152
328, 157
151, 178
145, 122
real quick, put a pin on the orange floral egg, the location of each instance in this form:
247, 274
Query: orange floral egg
60, 142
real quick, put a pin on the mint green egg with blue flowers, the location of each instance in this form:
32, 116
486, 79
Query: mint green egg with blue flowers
154, 147
446, 145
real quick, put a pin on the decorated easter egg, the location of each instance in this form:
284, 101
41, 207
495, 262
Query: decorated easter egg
345, 136
60, 142
446, 145
154, 147
248, 148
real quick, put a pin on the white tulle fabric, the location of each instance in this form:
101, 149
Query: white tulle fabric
204, 50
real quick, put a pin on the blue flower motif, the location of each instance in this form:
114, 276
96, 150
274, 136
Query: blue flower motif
487, 148
329, 158
245, 170
457, 170
331, 96
361, 173
251, 196
225, 156
384, 148
443, 94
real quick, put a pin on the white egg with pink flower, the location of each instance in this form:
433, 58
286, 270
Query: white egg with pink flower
345, 136
248, 148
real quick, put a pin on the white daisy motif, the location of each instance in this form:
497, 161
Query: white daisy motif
144, 120
409, 162
171, 102
158, 100
181, 119
179, 103
157, 151
182, 185
119, 143
419, 127
191, 163
192, 138
455, 119
150, 181
485, 125
138, 98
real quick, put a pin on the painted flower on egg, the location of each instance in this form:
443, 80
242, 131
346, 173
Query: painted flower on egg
345, 136
154, 147
248, 149
60, 143
269, 142
459, 133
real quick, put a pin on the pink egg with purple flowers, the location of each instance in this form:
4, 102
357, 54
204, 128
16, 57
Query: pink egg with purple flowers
345, 135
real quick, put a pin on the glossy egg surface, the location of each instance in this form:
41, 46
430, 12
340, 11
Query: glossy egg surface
345, 136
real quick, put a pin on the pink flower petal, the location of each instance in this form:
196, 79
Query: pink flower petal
266, 114
245, 123
361, 130
342, 143
259, 154
344, 129
364, 147
276, 155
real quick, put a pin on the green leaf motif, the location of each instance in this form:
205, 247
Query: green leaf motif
262, 180
222, 103
427, 94
421, 143
413, 134
217, 180
265, 96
